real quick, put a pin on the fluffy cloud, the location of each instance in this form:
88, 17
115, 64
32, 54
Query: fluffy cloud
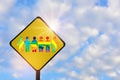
3, 8
18, 63
51, 11
3, 3
16, 75
18, 66
102, 55
114, 8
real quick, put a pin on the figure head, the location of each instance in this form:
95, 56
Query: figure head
34, 37
47, 37
26, 37
41, 37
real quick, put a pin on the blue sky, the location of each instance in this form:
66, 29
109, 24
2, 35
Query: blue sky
90, 29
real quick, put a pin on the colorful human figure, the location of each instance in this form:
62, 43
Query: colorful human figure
34, 44
20, 43
40, 44
47, 45
27, 44
54, 45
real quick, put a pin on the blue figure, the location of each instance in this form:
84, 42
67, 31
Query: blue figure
27, 44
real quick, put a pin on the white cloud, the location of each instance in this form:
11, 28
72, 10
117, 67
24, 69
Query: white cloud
16, 75
19, 67
101, 55
51, 11
89, 31
80, 62
98, 59
5, 6
113, 8
3, 3
88, 77
17, 24
73, 74
71, 36
86, 3
18, 63
112, 74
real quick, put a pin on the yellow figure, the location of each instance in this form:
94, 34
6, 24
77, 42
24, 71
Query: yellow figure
20, 44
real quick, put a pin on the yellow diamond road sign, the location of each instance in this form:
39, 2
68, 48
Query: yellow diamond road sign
37, 43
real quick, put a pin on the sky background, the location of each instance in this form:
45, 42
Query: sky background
90, 29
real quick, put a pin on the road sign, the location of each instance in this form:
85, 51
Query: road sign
37, 43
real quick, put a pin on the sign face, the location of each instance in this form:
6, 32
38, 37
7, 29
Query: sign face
37, 43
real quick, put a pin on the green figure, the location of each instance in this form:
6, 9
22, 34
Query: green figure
27, 44
53, 48
48, 48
